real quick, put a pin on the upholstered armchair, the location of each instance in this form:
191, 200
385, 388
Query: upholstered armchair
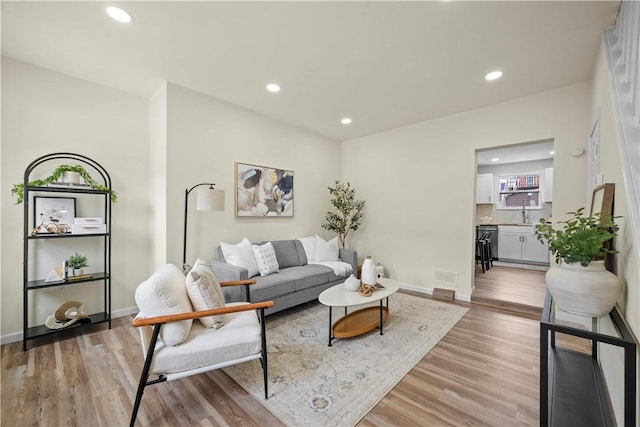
176, 345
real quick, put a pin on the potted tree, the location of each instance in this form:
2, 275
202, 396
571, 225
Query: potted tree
349, 213
77, 262
579, 282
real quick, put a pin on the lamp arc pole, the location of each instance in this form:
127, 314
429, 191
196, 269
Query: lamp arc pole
185, 267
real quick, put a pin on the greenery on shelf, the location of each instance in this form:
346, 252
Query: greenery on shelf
349, 213
77, 261
56, 176
582, 238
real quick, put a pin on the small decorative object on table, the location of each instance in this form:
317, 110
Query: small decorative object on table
352, 284
368, 274
366, 290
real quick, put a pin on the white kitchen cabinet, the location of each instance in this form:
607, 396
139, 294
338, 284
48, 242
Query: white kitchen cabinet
484, 188
518, 243
548, 185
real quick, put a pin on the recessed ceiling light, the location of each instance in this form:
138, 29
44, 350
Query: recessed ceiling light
119, 14
495, 159
552, 152
493, 75
346, 121
273, 87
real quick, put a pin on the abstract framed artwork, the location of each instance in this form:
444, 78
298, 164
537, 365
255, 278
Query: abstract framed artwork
53, 214
263, 191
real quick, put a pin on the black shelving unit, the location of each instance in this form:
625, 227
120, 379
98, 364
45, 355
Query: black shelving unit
30, 285
572, 389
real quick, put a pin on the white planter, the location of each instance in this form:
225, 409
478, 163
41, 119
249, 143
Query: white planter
71, 177
589, 291
368, 273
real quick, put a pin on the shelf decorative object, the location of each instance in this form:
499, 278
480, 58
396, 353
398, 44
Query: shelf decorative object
579, 282
77, 263
61, 175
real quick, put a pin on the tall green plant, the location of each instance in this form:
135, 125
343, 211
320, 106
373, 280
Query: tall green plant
582, 238
350, 211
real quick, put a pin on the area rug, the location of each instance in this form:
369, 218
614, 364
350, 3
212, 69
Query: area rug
312, 384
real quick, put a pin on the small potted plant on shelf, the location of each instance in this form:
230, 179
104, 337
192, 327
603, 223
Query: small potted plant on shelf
579, 282
76, 263
59, 174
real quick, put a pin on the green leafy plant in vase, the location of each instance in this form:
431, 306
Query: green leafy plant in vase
579, 282
76, 263
350, 211
56, 176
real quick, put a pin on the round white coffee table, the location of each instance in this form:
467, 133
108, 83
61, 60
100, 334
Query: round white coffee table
360, 321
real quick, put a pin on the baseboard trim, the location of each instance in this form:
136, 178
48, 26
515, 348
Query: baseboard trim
429, 291
17, 336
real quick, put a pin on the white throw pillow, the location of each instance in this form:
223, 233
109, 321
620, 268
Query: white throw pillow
309, 245
240, 255
326, 251
204, 292
266, 259
165, 293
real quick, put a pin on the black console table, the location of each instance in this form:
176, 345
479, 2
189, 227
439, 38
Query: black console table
572, 390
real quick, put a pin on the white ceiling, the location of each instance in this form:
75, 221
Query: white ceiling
385, 64
516, 154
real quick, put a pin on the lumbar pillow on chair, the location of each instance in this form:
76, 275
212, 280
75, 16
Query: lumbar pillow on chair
204, 292
164, 293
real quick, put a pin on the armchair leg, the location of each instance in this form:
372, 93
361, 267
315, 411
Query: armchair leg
264, 354
145, 373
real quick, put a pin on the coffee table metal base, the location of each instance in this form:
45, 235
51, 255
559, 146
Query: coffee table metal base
358, 322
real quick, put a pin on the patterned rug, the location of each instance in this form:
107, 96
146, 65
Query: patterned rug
312, 384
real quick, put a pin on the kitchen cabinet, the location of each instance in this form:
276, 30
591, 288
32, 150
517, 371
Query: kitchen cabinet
484, 188
548, 185
518, 243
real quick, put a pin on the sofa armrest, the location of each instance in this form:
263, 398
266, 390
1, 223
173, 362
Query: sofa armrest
228, 272
350, 257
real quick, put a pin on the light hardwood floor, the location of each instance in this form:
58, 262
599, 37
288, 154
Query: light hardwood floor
484, 372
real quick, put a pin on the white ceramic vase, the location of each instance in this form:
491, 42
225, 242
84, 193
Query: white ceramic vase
352, 283
589, 291
368, 274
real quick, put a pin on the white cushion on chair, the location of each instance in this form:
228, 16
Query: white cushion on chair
165, 293
238, 338
204, 292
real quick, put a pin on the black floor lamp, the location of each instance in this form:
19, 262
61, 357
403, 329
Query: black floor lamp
208, 199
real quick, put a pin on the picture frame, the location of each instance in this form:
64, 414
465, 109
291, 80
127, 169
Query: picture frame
50, 213
263, 191
602, 203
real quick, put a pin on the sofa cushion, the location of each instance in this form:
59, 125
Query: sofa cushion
205, 293
165, 293
326, 251
271, 286
308, 276
286, 252
309, 245
240, 255
266, 259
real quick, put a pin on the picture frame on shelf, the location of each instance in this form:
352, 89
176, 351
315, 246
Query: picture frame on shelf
53, 215
263, 191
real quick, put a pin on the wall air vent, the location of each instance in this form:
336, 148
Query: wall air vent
445, 277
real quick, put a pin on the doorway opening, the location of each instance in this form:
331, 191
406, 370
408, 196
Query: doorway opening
514, 189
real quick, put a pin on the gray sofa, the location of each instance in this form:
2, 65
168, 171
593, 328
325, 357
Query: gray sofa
297, 281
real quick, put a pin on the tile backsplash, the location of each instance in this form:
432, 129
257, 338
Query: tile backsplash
508, 216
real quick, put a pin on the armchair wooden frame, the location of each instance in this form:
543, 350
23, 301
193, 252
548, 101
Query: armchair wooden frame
158, 321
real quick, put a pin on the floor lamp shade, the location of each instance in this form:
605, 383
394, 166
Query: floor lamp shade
208, 199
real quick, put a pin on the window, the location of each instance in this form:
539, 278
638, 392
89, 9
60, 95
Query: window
519, 191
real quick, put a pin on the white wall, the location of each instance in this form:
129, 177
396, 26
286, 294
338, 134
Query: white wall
205, 137
45, 112
627, 258
419, 180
